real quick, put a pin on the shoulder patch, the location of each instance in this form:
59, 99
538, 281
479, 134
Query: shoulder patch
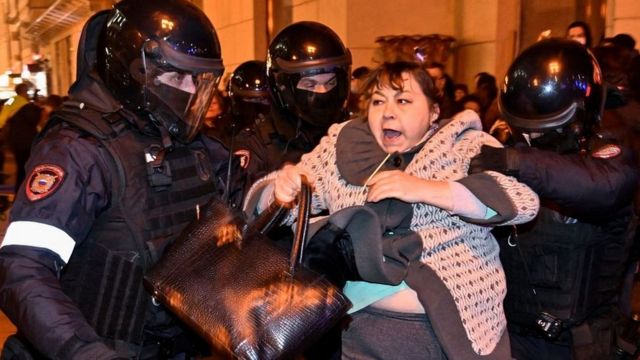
43, 181
607, 151
244, 156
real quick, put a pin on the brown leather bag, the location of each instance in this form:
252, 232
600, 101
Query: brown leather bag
252, 301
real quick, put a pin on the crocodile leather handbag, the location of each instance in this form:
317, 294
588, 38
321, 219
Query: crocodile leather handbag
249, 299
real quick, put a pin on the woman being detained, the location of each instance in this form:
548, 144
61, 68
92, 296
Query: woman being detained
420, 263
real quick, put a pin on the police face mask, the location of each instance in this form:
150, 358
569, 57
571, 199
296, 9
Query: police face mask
247, 110
320, 98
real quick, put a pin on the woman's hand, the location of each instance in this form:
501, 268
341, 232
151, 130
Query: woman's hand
288, 183
406, 187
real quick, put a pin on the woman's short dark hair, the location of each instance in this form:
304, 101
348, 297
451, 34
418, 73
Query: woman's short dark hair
390, 74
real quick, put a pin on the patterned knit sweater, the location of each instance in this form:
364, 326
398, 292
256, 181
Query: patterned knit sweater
463, 255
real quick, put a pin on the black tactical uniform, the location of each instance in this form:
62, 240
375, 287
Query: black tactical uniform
308, 72
249, 108
299, 115
115, 177
563, 269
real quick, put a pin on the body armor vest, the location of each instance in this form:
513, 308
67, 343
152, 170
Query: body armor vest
152, 201
563, 267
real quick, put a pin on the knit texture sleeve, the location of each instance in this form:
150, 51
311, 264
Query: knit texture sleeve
513, 201
317, 163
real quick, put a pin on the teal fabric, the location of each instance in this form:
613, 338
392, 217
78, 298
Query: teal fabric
362, 293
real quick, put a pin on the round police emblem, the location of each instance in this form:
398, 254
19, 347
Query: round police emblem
43, 181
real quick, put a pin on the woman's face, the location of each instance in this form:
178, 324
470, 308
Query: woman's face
214, 108
577, 34
438, 78
400, 119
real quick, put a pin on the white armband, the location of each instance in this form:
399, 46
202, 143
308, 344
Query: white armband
30, 233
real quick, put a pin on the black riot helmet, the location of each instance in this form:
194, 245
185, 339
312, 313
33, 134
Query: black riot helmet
249, 93
161, 59
306, 49
553, 84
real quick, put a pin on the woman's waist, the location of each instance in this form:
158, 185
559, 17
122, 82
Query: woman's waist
403, 301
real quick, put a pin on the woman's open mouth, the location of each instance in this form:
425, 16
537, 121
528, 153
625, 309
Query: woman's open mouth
390, 133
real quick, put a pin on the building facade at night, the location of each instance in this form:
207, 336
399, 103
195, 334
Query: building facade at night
38, 38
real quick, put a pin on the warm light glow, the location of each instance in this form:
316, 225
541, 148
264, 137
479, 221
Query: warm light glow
535, 82
167, 24
25, 72
227, 233
270, 19
4, 80
311, 49
597, 75
554, 67
39, 79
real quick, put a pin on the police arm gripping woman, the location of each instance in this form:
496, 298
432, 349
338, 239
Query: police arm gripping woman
408, 235
564, 269
114, 178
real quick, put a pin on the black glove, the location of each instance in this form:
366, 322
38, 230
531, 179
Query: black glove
330, 252
503, 160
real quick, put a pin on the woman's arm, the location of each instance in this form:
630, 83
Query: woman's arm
284, 185
512, 201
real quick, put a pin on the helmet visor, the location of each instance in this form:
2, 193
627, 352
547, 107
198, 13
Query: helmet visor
179, 99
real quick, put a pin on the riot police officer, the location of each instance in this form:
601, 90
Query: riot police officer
250, 106
249, 94
115, 177
564, 268
308, 73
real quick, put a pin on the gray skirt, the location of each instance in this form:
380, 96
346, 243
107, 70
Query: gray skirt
380, 334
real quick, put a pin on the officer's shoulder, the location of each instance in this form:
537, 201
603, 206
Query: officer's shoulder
58, 127
65, 140
61, 130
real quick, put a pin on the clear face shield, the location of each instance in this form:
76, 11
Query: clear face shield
178, 93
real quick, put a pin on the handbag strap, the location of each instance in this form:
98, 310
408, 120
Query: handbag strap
304, 208
273, 215
270, 217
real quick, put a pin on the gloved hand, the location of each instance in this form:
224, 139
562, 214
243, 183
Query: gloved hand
503, 160
330, 252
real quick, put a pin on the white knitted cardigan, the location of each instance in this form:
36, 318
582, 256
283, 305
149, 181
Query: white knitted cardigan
463, 255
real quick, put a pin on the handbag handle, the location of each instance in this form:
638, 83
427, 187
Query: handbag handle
273, 215
304, 208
